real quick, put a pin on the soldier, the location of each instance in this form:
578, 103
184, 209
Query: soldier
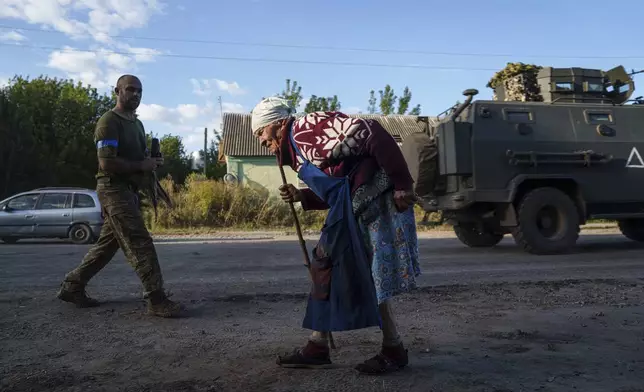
123, 161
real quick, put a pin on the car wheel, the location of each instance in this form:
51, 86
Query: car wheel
81, 234
548, 222
9, 240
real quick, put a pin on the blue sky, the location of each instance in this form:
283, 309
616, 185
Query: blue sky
468, 40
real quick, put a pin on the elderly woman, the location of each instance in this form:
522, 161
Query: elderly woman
368, 250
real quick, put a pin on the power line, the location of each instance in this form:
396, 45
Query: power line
256, 60
355, 49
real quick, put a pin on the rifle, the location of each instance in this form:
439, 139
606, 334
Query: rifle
156, 190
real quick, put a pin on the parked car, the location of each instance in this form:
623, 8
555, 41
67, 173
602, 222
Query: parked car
73, 213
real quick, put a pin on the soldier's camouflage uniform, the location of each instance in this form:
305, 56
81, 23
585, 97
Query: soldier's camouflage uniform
119, 137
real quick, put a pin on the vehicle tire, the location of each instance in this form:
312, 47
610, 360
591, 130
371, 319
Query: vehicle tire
633, 229
470, 235
9, 240
548, 222
81, 234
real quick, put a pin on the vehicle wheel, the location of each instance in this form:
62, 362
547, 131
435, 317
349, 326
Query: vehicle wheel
633, 229
9, 240
80, 234
471, 235
548, 222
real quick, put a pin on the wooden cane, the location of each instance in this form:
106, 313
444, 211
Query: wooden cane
301, 238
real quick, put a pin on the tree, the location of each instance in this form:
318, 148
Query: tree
47, 133
388, 100
322, 104
372, 102
215, 169
403, 103
292, 93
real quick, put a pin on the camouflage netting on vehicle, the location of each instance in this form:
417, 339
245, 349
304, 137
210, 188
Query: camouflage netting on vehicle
519, 82
521, 88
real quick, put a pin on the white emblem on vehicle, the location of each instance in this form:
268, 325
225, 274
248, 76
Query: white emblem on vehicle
635, 155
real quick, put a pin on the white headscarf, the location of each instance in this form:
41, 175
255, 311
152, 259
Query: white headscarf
269, 110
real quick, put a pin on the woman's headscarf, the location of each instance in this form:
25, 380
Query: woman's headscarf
269, 110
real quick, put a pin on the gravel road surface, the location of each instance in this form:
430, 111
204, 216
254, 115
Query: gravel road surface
483, 320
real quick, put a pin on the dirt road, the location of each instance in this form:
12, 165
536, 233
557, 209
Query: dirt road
484, 320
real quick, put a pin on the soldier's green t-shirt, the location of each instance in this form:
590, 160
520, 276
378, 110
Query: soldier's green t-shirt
119, 137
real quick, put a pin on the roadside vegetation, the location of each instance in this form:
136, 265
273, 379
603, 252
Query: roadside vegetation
202, 205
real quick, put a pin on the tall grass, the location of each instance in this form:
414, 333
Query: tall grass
202, 204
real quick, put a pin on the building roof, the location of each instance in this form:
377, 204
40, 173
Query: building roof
237, 138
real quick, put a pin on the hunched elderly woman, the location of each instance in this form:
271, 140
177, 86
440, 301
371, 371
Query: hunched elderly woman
368, 251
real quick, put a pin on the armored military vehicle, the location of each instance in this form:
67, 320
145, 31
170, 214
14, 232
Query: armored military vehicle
547, 154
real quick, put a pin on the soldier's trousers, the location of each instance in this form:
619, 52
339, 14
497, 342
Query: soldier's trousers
123, 228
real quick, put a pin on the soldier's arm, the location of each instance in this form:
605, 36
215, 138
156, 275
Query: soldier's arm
107, 145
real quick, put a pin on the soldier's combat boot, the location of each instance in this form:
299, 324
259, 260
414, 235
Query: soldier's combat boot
75, 293
159, 305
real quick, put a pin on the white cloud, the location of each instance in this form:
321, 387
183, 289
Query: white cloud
117, 60
12, 36
180, 115
4, 81
101, 69
97, 19
141, 55
206, 87
186, 120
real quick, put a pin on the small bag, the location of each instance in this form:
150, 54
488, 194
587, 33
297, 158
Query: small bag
321, 270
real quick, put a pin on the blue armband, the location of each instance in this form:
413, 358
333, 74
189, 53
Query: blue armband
107, 143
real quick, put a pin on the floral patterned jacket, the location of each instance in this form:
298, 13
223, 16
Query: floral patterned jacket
340, 146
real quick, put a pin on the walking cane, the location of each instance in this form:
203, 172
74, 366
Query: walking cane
301, 238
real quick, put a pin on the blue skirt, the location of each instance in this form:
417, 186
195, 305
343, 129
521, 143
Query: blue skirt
392, 242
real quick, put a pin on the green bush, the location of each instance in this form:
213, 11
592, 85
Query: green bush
202, 204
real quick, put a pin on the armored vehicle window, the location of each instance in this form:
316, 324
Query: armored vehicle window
594, 87
599, 117
563, 86
518, 116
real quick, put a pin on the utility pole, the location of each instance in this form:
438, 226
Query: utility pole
205, 151
221, 112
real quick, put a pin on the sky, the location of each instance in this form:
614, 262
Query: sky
189, 53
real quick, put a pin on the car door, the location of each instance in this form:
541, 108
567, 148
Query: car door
54, 214
17, 217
